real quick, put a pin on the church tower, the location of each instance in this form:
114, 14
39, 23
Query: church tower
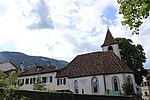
110, 44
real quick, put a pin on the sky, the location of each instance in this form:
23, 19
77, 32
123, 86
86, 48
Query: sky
63, 29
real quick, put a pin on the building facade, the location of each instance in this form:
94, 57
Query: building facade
8, 67
93, 73
146, 87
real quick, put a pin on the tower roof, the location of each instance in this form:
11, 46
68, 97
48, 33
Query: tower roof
109, 40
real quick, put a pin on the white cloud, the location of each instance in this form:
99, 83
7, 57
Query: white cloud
144, 39
77, 27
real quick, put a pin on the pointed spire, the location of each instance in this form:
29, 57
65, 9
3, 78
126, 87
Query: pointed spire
109, 40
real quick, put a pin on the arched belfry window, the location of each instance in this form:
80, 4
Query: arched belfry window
76, 86
95, 85
115, 83
110, 48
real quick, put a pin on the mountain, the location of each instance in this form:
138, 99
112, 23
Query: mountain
18, 57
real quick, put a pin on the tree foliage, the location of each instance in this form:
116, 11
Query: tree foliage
133, 56
9, 83
134, 11
38, 85
128, 88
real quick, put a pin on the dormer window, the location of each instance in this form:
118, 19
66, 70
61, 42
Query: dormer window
37, 69
110, 48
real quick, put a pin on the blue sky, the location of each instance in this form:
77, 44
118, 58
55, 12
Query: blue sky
109, 16
62, 29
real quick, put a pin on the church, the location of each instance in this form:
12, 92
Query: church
101, 72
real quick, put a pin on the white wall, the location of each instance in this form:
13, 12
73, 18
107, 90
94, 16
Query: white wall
121, 78
133, 80
50, 86
62, 87
85, 84
115, 47
109, 84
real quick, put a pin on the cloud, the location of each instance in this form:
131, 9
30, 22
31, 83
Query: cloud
8, 46
62, 29
2, 9
143, 39
42, 10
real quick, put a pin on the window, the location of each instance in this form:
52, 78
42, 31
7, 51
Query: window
64, 81
145, 84
115, 83
148, 84
34, 80
31, 80
145, 93
61, 81
27, 81
38, 79
76, 86
129, 79
110, 48
142, 84
50, 79
21, 82
57, 81
95, 85
82, 91
44, 79
37, 69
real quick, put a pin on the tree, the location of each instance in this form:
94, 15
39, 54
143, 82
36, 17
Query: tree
128, 88
2, 77
9, 83
38, 85
133, 56
134, 11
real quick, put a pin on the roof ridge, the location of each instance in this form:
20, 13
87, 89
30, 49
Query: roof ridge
93, 53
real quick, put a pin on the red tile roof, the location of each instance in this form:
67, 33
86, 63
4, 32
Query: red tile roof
96, 63
109, 39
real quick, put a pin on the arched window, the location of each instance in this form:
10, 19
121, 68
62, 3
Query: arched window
95, 85
129, 79
115, 83
110, 48
76, 86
